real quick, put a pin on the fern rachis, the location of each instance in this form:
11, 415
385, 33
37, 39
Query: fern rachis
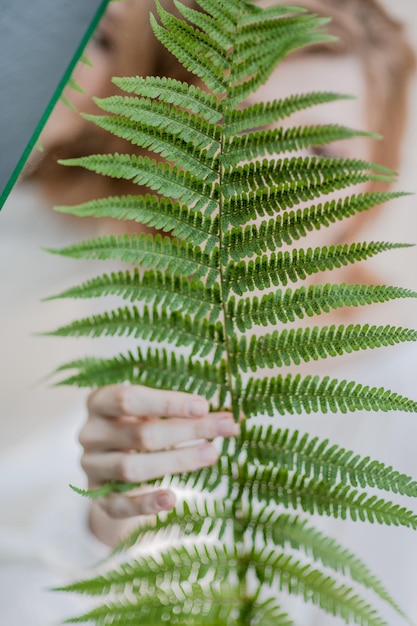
212, 194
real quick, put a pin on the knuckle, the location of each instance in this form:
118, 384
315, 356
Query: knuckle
122, 402
91, 399
168, 406
206, 428
144, 437
84, 438
84, 462
116, 507
123, 469
137, 438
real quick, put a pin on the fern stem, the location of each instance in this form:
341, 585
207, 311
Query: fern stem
239, 527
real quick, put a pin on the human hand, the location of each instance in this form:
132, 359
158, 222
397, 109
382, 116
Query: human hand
132, 434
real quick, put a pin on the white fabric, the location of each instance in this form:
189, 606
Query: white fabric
44, 540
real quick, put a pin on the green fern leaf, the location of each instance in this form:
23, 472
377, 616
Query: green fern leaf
286, 306
270, 202
174, 92
155, 368
178, 563
188, 127
305, 344
193, 59
152, 252
256, 63
264, 113
320, 460
172, 182
268, 565
191, 296
341, 501
207, 517
160, 213
174, 328
279, 268
289, 531
294, 394
299, 179
314, 586
215, 608
278, 486
168, 146
277, 141
291, 225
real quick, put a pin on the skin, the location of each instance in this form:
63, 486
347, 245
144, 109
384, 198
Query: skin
135, 434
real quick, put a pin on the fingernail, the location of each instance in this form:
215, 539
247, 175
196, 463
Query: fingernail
207, 454
165, 501
226, 427
198, 408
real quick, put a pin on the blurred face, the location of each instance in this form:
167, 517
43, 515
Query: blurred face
123, 45
325, 72
115, 49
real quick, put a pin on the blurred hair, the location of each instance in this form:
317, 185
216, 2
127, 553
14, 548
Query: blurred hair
135, 53
364, 29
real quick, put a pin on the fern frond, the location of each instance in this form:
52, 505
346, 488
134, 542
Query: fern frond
149, 251
214, 607
185, 126
279, 486
170, 147
286, 531
254, 32
255, 14
270, 567
153, 608
178, 563
291, 225
254, 61
169, 181
271, 201
224, 13
286, 347
191, 296
264, 113
293, 490
194, 59
311, 394
174, 92
316, 587
174, 328
160, 213
300, 178
280, 140
207, 24
269, 39
320, 460
155, 368
203, 43
279, 268
291, 531
286, 306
